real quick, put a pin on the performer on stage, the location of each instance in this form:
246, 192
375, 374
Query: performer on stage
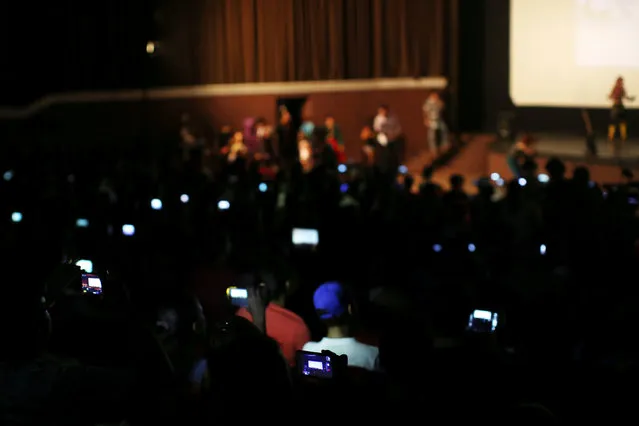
287, 139
388, 130
334, 138
520, 152
435, 124
618, 111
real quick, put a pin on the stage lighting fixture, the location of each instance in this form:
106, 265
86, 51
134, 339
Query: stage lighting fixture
495, 177
16, 217
402, 169
522, 181
82, 223
343, 188
223, 205
184, 198
543, 178
437, 248
8, 175
342, 168
472, 248
542, 249
262, 187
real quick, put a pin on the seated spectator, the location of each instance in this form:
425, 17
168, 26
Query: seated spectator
284, 326
244, 364
334, 309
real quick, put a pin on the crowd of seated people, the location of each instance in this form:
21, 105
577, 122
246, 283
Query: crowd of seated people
380, 299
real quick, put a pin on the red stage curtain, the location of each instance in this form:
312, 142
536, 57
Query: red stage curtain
294, 40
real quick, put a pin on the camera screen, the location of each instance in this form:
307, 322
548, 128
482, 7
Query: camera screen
483, 321
308, 237
237, 296
312, 364
91, 284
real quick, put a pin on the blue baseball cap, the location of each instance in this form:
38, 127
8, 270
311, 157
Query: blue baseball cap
330, 300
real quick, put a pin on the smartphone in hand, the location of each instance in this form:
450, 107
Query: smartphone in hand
237, 296
91, 284
481, 321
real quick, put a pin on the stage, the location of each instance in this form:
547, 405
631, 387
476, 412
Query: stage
483, 154
604, 168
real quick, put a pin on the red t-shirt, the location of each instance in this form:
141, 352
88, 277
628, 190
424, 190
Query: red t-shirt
285, 327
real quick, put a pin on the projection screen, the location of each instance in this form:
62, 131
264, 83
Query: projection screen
568, 53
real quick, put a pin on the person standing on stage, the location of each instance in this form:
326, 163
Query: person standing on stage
521, 152
435, 124
618, 111
287, 139
388, 131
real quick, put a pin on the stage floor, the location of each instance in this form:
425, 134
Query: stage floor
570, 147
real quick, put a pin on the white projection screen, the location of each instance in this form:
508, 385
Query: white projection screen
568, 53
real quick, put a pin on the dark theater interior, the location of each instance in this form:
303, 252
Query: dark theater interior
213, 211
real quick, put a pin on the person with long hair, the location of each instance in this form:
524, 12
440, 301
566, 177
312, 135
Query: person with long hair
618, 112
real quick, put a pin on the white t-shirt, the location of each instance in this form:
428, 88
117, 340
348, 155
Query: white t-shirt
359, 354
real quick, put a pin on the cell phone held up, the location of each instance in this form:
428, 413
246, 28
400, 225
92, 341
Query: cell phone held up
325, 365
237, 296
481, 321
91, 284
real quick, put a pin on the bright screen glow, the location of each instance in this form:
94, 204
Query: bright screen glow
239, 293
85, 265
316, 365
94, 283
485, 315
305, 236
568, 53
128, 230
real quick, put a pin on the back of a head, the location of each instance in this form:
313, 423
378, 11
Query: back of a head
275, 282
456, 181
244, 363
408, 182
332, 302
427, 172
556, 168
581, 176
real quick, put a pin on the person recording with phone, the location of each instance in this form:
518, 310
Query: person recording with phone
39, 387
334, 308
279, 323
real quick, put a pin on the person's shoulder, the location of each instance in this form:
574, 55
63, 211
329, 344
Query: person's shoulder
365, 347
286, 315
